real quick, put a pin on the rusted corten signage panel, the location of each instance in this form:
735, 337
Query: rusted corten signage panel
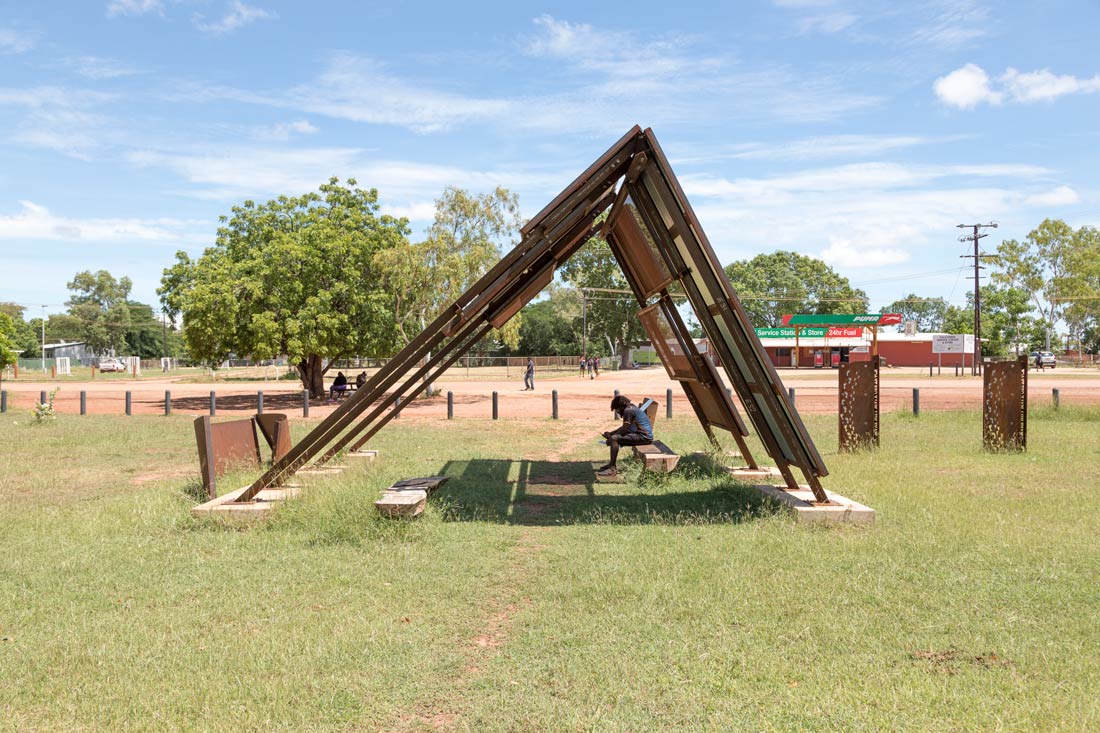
1004, 405
858, 406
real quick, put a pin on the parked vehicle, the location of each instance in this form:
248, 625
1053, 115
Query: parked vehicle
112, 365
1044, 359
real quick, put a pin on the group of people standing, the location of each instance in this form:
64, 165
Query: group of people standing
592, 364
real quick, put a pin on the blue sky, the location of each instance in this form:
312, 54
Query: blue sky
857, 132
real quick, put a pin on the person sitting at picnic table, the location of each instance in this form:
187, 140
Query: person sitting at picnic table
360, 380
339, 386
635, 430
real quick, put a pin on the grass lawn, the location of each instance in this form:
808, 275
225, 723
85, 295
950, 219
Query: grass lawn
529, 598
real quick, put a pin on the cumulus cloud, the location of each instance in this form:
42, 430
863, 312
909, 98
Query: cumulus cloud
970, 85
134, 7
966, 88
238, 15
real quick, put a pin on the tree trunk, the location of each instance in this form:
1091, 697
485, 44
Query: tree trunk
311, 372
624, 355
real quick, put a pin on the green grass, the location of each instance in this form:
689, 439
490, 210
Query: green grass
531, 598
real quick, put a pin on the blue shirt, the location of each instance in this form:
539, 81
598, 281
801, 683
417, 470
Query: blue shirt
638, 421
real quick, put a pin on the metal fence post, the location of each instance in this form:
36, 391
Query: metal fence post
1054, 397
213, 404
496, 411
260, 401
450, 405
916, 401
554, 404
129, 403
305, 403
167, 402
3, 401
668, 404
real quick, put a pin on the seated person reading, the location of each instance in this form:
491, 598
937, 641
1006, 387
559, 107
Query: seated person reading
360, 380
635, 430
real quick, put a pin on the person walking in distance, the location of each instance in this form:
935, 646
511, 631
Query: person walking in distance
597, 366
529, 375
584, 363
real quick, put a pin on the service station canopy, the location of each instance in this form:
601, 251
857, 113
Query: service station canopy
658, 242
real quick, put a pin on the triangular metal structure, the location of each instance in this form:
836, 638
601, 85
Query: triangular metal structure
658, 242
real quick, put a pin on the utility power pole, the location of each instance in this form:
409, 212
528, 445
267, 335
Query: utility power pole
975, 368
43, 339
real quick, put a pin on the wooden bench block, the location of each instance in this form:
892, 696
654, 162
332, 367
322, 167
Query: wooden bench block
656, 457
405, 503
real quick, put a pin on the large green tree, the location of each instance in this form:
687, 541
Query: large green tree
611, 320
770, 285
928, 313
551, 325
464, 241
1045, 265
25, 341
99, 303
8, 352
296, 275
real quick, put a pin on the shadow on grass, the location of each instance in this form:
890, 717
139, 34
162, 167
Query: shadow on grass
545, 493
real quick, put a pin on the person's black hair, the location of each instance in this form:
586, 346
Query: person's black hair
619, 403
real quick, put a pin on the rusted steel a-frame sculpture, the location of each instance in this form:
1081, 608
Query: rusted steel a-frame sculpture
660, 245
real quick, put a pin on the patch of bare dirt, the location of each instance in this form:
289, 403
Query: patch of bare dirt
951, 661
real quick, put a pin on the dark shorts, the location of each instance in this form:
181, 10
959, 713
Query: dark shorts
634, 439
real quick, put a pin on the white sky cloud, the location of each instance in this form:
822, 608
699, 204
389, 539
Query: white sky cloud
1060, 196
134, 7
238, 15
966, 87
15, 42
811, 148
58, 118
970, 85
864, 215
99, 67
283, 131
34, 222
825, 23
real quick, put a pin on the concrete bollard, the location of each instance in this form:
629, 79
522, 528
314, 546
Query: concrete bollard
1054, 397
167, 402
83, 402
396, 408
259, 402
305, 403
916, 402
42, 397
213, 404
929, 369
554, 404
668, 404
450, 405
496, 406
129, 403
3, 401
790, 394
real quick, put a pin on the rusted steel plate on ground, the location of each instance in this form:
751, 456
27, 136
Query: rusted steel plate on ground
858, 409
1004, 405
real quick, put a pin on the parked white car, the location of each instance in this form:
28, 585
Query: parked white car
112, 365
1044, 359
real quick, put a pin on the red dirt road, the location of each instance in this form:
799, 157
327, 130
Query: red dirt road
815, 392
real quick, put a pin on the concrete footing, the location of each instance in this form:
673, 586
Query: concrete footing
840, 509
370, 455
226, 506
760, 473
